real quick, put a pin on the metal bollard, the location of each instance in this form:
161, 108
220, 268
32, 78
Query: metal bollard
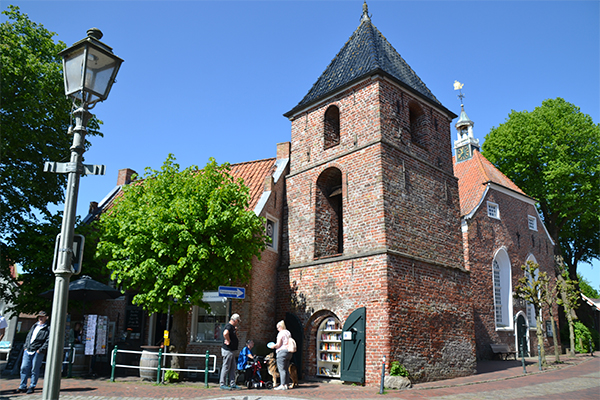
523, 355
113, 364
382, 376
206, 368
70, 361
159, 365
539, 357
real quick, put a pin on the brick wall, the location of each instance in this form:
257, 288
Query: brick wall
485, 237
402, 249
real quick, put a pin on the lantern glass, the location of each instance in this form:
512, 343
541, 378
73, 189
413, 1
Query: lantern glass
89, 72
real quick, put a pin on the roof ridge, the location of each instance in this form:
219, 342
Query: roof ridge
254, 161
485, 161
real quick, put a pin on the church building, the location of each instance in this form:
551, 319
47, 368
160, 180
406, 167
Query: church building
383, 245
501, 230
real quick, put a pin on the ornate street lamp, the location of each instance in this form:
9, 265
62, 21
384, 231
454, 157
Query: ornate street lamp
90, 68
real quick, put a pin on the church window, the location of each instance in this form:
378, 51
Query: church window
417, 121
502, 289
332, 127
532, 222
329, 231
492, 210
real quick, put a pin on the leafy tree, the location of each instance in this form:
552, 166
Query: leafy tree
33, 249
34, 114
551, 294
532, 288
177, 234
553, 154
569, 300
586, 288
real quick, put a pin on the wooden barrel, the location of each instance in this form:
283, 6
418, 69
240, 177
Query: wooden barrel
149, 358
79, 367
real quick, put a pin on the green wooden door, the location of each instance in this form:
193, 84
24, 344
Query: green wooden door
353, 347
522, 335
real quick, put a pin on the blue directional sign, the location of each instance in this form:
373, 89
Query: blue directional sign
232, 292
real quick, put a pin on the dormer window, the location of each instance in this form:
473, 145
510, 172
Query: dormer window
332, 127
532, 222
492, 210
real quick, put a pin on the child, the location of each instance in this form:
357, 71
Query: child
243, 364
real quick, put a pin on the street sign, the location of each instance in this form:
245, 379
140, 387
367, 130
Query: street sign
76, 254
232, 292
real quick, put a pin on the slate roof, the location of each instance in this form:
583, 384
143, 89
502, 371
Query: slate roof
473, 175
366, 53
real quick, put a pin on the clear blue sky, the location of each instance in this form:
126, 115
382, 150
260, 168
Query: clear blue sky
212, 78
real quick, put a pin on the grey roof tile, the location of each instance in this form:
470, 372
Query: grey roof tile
366, 53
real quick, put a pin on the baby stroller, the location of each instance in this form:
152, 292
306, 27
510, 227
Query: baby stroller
252, 375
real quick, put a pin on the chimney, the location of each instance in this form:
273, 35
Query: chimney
283, 150
93, 207
125, 176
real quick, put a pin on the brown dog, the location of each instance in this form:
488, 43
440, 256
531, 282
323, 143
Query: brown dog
272, 367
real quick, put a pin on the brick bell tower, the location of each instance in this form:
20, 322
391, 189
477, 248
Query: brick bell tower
374, 223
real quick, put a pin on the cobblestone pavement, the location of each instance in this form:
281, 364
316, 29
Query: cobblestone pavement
578, 378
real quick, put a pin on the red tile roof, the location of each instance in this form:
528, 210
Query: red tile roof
254, 173
473, 174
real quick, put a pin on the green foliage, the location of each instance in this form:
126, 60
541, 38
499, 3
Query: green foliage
552, 153
33, 249
397, 369
171, 376
35, 115
583, 336
177, 234
587, 289
532, 286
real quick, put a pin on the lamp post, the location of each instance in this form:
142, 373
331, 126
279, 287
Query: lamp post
89, 68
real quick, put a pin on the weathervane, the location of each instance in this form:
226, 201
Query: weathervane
458, 86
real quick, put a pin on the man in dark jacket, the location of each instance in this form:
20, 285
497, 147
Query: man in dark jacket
34, 351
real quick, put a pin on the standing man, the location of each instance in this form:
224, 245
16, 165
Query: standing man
34, 351
230, 346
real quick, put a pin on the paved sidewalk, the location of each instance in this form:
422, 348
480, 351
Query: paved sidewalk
578, 378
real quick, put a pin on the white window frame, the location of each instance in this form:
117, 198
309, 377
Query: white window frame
532, 223
210, 298
502, 293
275, 234
493, 211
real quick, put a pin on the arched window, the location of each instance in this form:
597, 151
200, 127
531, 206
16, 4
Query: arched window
417, 123
329, 233
332, 127
502, 289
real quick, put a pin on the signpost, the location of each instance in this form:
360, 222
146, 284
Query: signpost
232, 292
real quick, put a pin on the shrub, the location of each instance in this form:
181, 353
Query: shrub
398, 369
582, 332
171, 376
